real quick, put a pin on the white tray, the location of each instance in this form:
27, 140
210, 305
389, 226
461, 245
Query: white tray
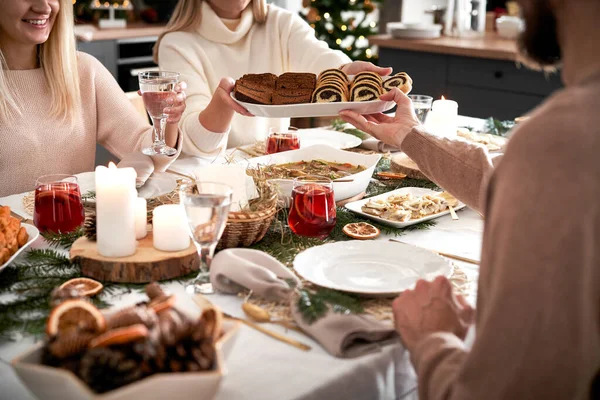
356, 206
315, 109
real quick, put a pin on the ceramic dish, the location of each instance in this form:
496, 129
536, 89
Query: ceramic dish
341, 190
33, 233
369, 268
47, 382
356, 206
414, 31
339, 140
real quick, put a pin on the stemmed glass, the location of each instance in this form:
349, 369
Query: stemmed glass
422, 105
157, 87
206, 206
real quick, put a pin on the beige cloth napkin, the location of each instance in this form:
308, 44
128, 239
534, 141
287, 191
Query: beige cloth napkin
234, 270
143, 165
377, 145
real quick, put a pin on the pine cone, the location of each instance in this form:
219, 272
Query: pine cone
108, 368
89, 228
70, 344
154, 291
131, 316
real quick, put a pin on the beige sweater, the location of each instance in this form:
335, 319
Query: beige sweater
284, 43
33, 144
538, 306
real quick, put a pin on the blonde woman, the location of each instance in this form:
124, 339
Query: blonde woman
56, 104
213, 41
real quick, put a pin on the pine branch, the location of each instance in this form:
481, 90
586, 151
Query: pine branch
313, 305
63, 239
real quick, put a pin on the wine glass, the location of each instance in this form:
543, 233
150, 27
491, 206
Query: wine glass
422, 105
206, 206
157, 87
58, 206
312, 212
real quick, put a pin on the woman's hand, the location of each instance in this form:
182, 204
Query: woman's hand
176, 104
355, 67
217, 115
223, 96
429, 308
390, 130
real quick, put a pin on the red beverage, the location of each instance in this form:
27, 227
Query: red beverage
312, 211
282, 142
58, 207
156, 102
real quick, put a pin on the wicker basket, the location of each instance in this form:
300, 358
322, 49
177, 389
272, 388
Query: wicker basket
244, 228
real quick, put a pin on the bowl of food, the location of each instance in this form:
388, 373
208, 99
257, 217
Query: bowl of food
143, 351
350, 172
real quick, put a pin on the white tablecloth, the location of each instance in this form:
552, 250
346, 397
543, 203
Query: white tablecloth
262, 368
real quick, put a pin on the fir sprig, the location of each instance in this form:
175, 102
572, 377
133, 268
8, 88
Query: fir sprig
498, 127
313, 305
341, 126
63, 239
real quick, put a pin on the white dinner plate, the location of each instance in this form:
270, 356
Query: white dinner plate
159, 183
369, 268
33, 233
315, 109
356, 207
338, 140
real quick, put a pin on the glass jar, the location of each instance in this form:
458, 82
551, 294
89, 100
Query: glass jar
465, 18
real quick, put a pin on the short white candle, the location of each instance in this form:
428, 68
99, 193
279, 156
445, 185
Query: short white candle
141, 218
169, 228
443, 118
115, 211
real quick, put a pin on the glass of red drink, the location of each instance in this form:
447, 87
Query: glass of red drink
58, 206
157, 88
282, 141
312, 210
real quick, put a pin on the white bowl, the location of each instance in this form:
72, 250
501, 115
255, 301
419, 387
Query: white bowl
401, 30
509, 27
341, 190
47, 382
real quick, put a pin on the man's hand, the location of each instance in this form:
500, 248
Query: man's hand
429, 308
390, 130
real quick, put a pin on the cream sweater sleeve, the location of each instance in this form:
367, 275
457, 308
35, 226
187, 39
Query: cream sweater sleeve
120, 127
198, 141
304, 52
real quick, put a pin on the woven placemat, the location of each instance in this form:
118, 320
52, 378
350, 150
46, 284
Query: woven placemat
380, 309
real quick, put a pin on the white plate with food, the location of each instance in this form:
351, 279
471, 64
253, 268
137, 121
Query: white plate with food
339, 140
305, 110
404, 207
354, 168
369, 268
33, 233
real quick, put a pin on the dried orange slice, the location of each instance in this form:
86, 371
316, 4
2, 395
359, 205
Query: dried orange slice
123, 335
75, 315
83, 286
162, 303
361, 231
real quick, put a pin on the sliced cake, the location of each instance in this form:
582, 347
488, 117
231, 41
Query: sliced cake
365, 91
333, 72
329, 93
297, 80
401, 80
255, 88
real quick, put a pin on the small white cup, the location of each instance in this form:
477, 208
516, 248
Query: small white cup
509, 27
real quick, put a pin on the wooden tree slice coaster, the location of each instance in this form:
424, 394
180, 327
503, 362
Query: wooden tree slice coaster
403, 164
342, 203
146, 265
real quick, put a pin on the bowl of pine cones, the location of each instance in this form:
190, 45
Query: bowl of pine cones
142, 351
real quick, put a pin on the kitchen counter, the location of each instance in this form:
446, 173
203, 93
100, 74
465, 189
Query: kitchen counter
90, 33
491, 46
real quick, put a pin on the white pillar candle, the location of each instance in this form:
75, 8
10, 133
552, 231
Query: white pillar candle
115, 211
169, 228
443, 118
141, 218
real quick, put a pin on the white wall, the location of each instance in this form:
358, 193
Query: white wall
413, 10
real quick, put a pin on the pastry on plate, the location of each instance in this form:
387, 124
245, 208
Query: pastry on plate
255, 88
401, 80
333, 72
329, 93
365, 90
292, 96
368, 76
297, 80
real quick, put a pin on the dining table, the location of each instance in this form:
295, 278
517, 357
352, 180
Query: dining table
260, 367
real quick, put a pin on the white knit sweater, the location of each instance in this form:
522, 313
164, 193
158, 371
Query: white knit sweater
284, 43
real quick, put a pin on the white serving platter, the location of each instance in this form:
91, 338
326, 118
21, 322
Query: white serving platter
51, 383
315, 109
356, 206
341, 190
369, 268
33, 233
339, 140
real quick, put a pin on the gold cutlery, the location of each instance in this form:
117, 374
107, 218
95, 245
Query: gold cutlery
447, 255
259, 314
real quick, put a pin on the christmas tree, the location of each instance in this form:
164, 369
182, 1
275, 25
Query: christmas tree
344, 25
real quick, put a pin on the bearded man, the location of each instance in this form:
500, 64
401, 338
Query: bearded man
538, 306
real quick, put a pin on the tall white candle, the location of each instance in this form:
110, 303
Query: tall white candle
141, 218
115, 211
443, 118
169, 228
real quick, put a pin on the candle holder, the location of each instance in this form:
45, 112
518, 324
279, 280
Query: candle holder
114, 5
